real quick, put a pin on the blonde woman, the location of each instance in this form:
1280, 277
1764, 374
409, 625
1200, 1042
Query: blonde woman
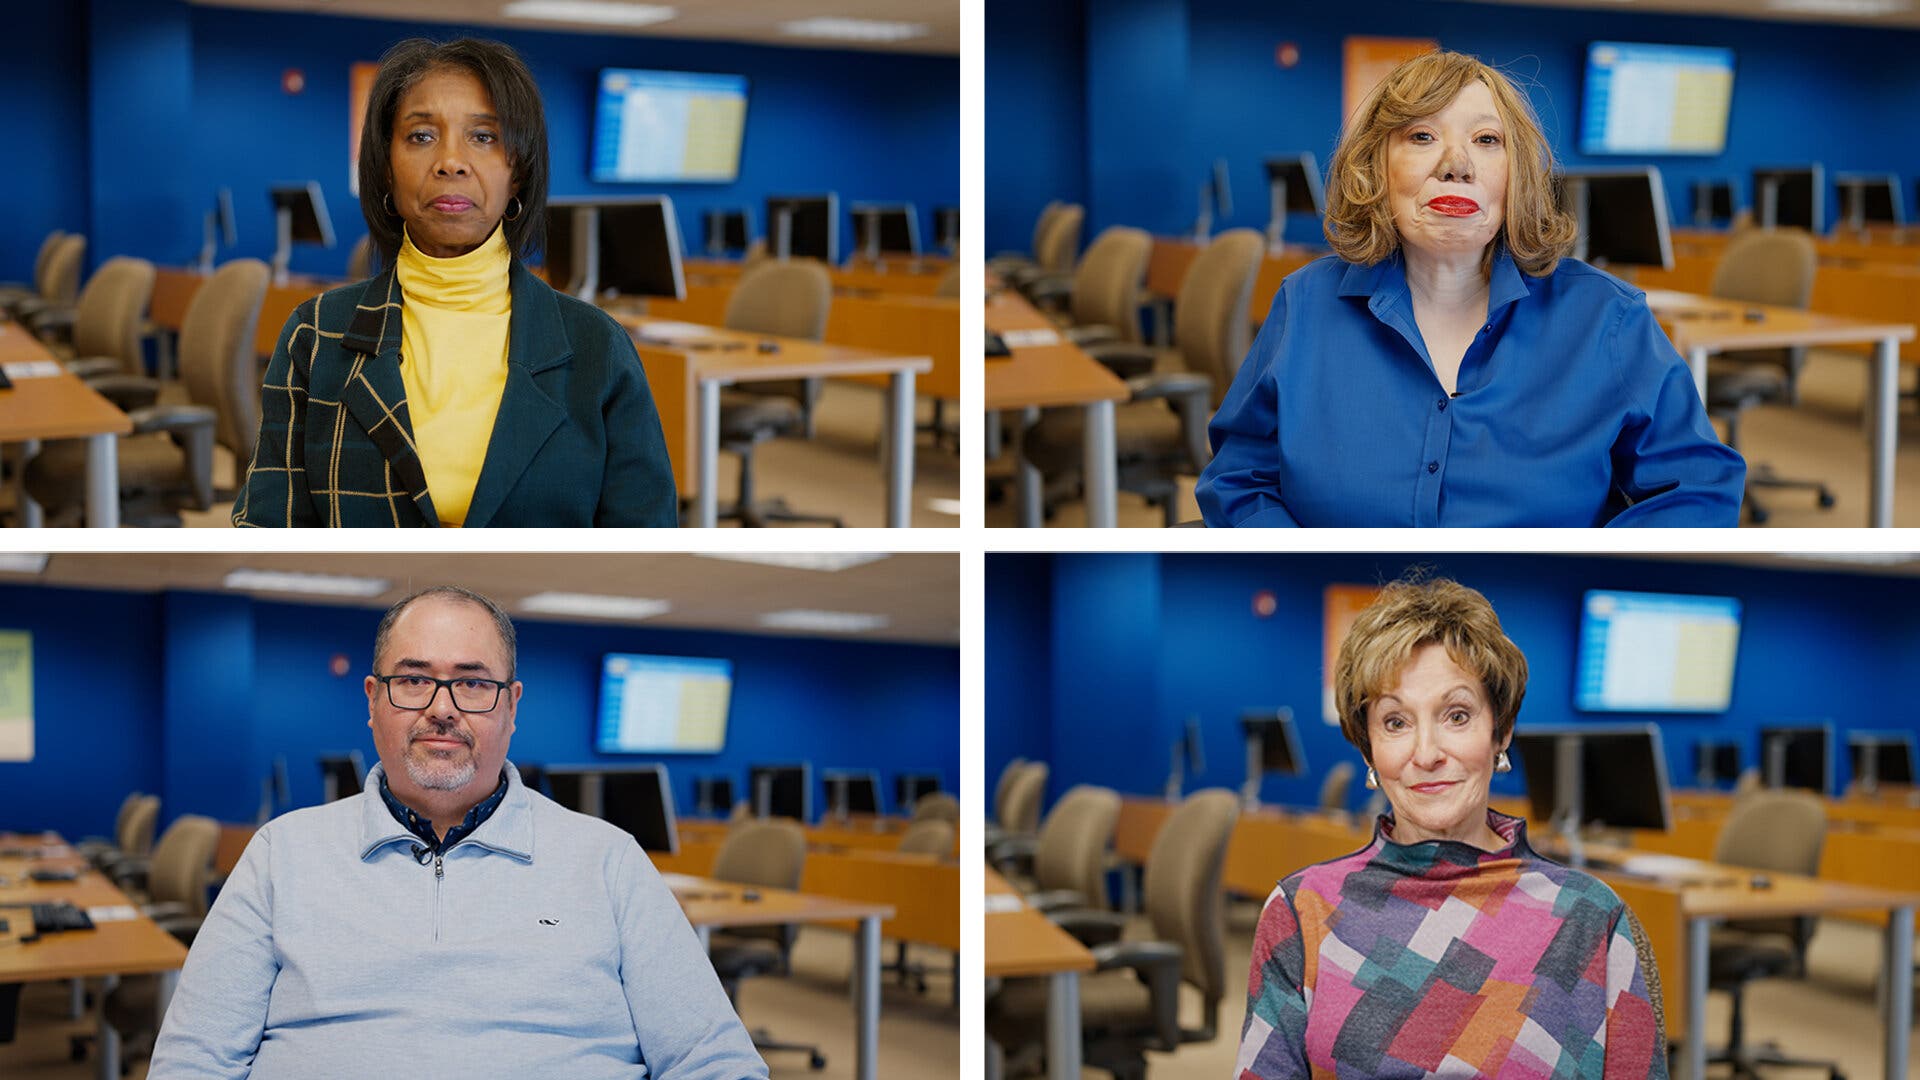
1448, 365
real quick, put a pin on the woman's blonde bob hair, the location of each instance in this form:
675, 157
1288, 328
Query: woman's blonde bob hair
1409, 614
1359, 221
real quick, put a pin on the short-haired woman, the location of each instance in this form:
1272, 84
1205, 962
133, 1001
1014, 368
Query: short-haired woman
1446, 947
1448, 365
454, 387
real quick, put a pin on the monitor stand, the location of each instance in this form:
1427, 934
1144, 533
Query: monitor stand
283, 249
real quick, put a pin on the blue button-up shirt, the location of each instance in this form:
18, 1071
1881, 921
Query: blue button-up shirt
1571, 408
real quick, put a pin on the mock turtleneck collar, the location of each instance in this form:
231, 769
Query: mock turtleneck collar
476, 282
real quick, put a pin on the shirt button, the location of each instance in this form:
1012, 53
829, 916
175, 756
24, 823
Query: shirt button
1442, 403
1433, 466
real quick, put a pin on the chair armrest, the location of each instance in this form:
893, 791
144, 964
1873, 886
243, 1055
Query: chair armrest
1013, 846
1170, 384
168, 909
1056, 900
131, 393
1091, 928
1157, 965
131, 871
173, 419
50, 322
1042, 288
183, 927
94, 367
1123, 358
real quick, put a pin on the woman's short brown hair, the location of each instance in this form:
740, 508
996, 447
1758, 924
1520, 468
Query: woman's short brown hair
1412, 613
523, 127
1359, 220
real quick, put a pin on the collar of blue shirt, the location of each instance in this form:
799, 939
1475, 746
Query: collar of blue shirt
1386, 282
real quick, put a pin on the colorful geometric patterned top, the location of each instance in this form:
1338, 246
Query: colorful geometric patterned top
1438, 959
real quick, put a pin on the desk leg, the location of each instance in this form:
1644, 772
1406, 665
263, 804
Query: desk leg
990, 435
103, 482
1026, 477
1063, 1025
1697, 363
1886, 419
706, 469
1897, 970
30, 514
900, 452
1693, 1061
76, 998
866, 1000
1101, 466
107, 1065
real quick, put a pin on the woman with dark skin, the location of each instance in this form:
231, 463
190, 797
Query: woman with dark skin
454, 387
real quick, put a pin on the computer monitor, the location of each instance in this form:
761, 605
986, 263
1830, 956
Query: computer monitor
300, 216
219, 228
639, 249
885, 229
804, 227
1881, 758
910, 788
1789, 197
713, 795
1216, 200
1712, 202
782, 791
727, 230
341, 775
1716, 762
532, 777
276, 793
1293, 187
1613, 776
568, 787
852, 792
1273, 746
946, 228
1621, 215
639, 799
1869, 199
572, 235
1798, 757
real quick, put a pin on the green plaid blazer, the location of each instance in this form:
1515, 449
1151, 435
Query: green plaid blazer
576, 442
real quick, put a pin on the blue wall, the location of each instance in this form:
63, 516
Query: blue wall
192, 696
43, 71
1802, 92
1036, 114
183, 100
1140, 642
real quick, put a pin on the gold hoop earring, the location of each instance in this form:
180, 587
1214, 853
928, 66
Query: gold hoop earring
518, 207
386, 203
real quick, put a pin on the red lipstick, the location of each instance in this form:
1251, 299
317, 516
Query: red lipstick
1454, 206
1433, 788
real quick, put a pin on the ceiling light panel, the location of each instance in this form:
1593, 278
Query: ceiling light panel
826, 622
291, 581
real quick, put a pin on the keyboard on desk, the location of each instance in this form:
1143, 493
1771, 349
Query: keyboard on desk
57, 917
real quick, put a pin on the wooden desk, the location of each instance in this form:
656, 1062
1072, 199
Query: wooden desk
894, 276
686, 377
174, 288
60, 406
709, 904
112, 948
1043, 376
1701, 325
1167, 267
1021, 942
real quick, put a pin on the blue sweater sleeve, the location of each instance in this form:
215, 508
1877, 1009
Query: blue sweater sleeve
219, 1011
1241, 485
688, 1029
1667, 459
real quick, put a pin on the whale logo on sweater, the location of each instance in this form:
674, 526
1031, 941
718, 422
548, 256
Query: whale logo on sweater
549, 922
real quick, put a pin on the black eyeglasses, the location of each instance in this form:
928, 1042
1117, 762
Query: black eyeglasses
470, 694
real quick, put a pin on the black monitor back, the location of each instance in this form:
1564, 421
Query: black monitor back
1626, 218
1892, 758
1806, 762
1279, 740
899, 229
568, 789
345, 771
1796, 198
311, 224
785, 791
813, 228
641, 802
726, 229
910, 788
1623, 775
640, 249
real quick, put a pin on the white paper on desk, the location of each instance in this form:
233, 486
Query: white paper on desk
1661, 866
670, 331
681, 882
113, 913
32, 369
1002, 904
1027, 339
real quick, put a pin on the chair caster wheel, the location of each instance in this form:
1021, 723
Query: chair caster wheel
1826, 500
817, 1062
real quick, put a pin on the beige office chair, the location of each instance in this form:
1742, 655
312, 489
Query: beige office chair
60, 283
1024, 800
1160, 432
771, 852
102, 333
176, 883
1130, 1002
14, 291
1057, 250
1008, 774
926, 836
937, 806
1006, 261
756, 254
790, 299
1333, 790
929, 836
360, 262
1781, 831
1070, 854
1762, 266
1102, 296
91, 846
167, 461
132, 828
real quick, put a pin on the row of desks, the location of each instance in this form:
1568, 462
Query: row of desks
57, 405
1677, 900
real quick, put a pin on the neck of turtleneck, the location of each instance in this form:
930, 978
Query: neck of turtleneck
476, 282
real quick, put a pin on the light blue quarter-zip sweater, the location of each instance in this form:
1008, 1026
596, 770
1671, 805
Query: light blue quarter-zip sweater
543, 945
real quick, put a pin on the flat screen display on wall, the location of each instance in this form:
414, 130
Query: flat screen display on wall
663, 704
1656, 99
668, 126
1656, 652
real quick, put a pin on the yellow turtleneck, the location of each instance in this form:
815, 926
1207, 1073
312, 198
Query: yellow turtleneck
453, 350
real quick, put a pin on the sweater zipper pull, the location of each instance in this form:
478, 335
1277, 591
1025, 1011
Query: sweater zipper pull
439, 872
